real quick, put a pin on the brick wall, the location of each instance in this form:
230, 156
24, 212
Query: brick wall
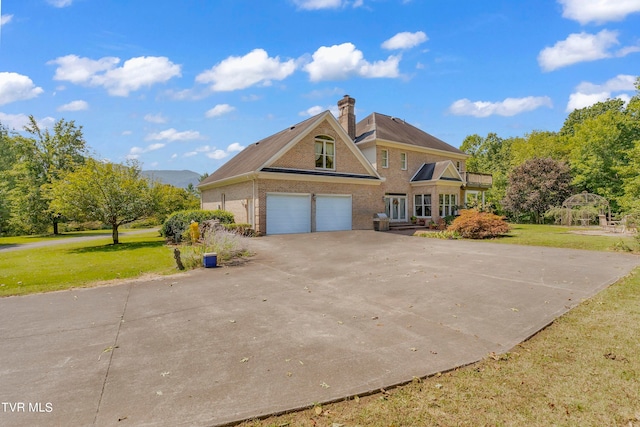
397, 180
237, 200
366, 199
302, 155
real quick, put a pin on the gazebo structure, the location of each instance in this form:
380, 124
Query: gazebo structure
584, 208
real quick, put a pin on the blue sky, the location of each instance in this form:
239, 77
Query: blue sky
187, 84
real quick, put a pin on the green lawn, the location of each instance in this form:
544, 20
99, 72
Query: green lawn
564, 237
79, 264
19, 240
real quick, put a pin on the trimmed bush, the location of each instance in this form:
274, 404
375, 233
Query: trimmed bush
178, 222
472, 224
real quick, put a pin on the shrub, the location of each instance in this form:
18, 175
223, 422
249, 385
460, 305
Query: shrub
241, 228
178, 222
472, 224
444, 234
225, 244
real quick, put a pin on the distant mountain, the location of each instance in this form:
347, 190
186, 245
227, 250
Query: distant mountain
180, 179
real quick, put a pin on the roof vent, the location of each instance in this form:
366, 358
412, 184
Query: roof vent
292, 128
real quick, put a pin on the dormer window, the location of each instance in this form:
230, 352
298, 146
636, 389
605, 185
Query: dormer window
325, 148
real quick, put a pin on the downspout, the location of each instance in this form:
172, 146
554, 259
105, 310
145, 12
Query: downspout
253, 203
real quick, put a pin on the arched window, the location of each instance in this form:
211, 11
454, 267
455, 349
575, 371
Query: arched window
325, 148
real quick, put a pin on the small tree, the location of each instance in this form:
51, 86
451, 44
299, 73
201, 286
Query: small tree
535, 186
112, 193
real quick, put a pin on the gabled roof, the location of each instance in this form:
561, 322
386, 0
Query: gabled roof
380, 126
260, 155
437, 171
255, 155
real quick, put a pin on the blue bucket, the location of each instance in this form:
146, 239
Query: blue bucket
210, 260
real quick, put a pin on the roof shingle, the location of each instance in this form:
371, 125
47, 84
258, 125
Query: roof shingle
380, 126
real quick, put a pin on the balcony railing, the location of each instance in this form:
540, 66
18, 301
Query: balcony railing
479, 180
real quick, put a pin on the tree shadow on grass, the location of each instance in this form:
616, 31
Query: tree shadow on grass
120, 247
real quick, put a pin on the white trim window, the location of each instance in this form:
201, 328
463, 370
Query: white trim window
403, 161
325, 150
448, 204
384, 158
422, 205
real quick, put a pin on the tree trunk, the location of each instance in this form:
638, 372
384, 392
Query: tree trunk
55, 227
114, 234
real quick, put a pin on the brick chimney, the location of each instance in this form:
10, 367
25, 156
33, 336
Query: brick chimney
347, 117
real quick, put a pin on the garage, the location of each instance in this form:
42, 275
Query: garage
288, 213
333, 212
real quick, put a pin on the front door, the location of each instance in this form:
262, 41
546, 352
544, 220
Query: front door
396, 208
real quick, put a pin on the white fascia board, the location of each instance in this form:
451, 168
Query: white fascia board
410, 147
228, 181
317, 178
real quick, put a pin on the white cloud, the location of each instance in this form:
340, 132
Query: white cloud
598, 11
318, 4
135, 152
405, 40
240, 72
508, 107
78, 105
14, 121
235, 147
134, 74
156, 146
219, 110
339, 62
312, 111
5, 19
126, 133
173, 135
580, 48
78, 70
217, 154
155, 118
16, 87
60, 3
587, 94
317, 109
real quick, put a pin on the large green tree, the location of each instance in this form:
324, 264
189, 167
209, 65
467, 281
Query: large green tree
600, 154
7, 160
490, 154
538, 144
168, 199
112, 193
38, 160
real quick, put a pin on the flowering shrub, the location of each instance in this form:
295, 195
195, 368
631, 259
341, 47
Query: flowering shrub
472, 224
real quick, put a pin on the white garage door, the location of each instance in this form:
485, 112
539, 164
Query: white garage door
288, 213
333, 212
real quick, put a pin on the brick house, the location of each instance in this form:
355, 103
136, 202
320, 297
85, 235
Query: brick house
328, 174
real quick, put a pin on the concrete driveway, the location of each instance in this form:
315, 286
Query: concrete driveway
311, 318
